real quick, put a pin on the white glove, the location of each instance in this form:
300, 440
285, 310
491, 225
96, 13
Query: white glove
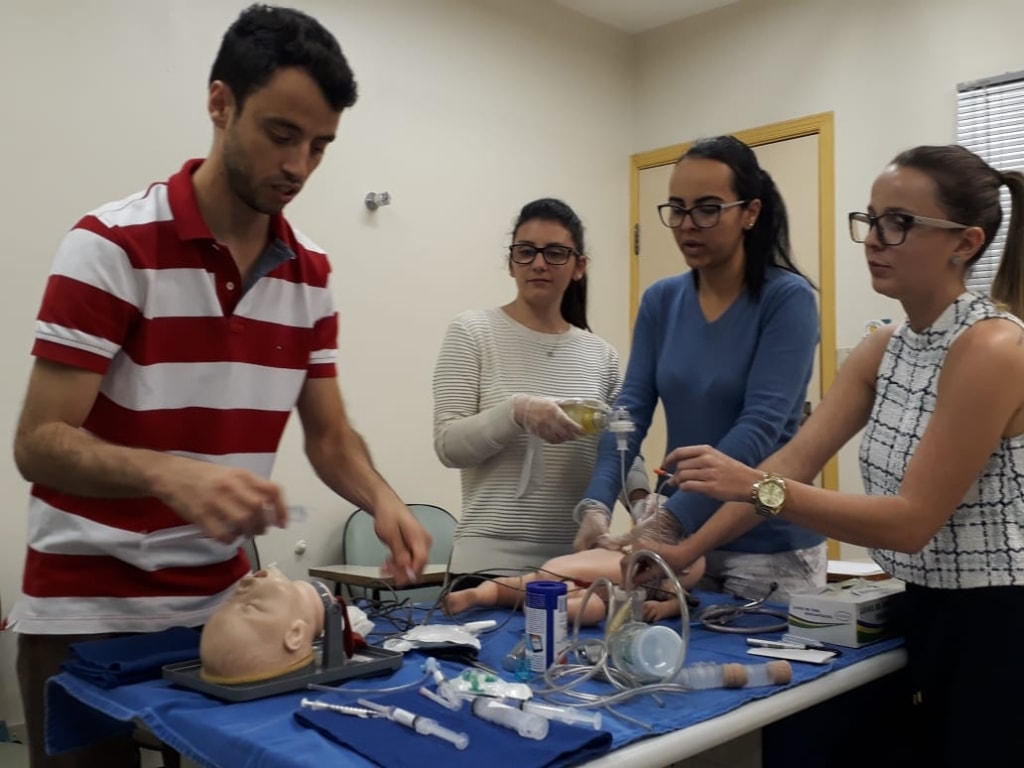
542, 417
641, 509
594, 518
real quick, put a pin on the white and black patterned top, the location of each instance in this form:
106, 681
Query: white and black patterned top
982, 544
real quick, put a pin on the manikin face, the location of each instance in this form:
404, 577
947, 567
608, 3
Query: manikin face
264, 628
274, 143
699, 181
541, 284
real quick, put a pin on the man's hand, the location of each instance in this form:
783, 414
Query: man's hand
406, 539
225, 502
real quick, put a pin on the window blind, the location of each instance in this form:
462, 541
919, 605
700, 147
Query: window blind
990, 122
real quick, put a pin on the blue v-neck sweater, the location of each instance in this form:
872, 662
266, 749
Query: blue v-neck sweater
738, 383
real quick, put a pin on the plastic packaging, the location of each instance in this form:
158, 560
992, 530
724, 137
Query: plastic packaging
648, 652
707, 674
547, 633
478, 682
527, 724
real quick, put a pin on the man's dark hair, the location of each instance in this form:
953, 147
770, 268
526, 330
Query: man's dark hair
264, 39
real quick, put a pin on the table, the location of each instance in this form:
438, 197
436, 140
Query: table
370, 577
220, 735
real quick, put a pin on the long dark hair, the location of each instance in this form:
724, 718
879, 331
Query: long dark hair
574, 300
767, 242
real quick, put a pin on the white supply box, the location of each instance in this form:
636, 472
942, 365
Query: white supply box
850, 613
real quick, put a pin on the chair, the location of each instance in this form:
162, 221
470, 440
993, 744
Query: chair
249, 545
360, 545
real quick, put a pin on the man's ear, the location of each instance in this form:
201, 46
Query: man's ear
298, 636
220, 103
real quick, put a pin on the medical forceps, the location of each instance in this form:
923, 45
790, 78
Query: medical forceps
720, 618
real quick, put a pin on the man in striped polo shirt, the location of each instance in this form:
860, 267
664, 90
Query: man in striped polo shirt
178, 329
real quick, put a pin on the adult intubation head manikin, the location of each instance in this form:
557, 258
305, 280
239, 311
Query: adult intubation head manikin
264, 629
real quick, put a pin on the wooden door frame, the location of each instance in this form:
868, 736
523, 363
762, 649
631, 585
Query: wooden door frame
822, 126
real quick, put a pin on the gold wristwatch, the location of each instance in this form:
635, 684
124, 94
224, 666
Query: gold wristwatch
768, 495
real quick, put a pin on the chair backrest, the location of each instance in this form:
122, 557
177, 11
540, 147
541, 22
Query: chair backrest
360, 545
249, 545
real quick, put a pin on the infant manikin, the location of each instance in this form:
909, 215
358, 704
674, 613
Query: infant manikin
264, 629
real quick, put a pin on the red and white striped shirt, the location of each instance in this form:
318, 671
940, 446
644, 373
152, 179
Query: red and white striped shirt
193, 365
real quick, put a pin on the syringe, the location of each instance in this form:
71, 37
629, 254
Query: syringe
424, 725
568, 715
529, 725
449, 696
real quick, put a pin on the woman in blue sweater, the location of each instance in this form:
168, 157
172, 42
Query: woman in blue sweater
728, 347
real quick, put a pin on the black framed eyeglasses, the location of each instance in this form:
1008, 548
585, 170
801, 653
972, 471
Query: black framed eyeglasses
892, 228
704, 216
554, 255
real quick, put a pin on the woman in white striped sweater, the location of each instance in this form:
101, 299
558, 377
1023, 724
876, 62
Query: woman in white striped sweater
499, 376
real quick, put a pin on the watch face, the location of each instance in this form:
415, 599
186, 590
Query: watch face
771, 493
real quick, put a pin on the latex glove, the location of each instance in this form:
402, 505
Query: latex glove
641, 509
542, 417
594, 519
652, 523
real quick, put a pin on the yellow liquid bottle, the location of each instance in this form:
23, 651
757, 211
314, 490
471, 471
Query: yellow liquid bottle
591, 415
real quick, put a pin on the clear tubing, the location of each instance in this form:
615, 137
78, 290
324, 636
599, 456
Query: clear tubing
392, 689
710, 675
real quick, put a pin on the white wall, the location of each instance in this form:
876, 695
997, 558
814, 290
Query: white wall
466, 111
888, 69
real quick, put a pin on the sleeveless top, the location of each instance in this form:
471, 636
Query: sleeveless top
982, 544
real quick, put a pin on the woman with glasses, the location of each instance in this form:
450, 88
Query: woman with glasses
728, 349
497, 382
940, 398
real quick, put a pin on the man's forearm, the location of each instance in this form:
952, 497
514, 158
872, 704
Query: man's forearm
343, 463
71, 460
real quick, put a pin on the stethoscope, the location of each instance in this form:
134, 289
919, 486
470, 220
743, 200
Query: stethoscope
720, 618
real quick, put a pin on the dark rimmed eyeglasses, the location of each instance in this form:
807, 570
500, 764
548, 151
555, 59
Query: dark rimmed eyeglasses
703, 216
892, 228
554, 255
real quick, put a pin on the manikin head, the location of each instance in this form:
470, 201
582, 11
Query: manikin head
264, 629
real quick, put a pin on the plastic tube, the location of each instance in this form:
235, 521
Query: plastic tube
526, 724
707, 674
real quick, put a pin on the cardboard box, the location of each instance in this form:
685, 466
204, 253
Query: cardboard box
850, 613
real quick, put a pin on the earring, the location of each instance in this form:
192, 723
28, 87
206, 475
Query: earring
955, 261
